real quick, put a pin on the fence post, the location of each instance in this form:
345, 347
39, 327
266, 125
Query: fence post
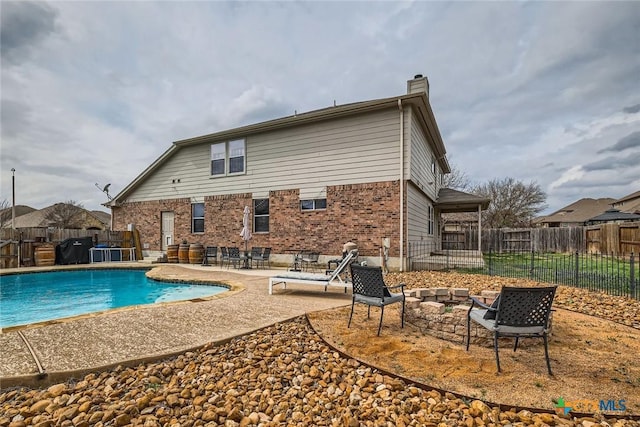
490, 261
531, 270
575, 276
632, 276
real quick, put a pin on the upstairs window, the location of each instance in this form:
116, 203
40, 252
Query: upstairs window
197, 218
313, 204
261, 215
236, 156
228, 158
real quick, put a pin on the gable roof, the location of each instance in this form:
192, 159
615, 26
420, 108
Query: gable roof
104, 217
579, 211
629, 203
417, 100
5, 214
628, 197
450, 200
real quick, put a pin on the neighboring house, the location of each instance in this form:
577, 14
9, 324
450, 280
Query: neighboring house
369, 172
83, 219
104, 217
7, 213
576, 214
613, 216
629, 203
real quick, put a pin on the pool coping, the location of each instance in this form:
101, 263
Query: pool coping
231, 288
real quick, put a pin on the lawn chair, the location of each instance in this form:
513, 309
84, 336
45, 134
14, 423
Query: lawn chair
210, 253
260, 259
234, 257
310, 261
369, 288
518, 313
224, 255
319, 279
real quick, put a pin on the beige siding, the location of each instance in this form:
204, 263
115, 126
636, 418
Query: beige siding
351, 150
422, 157
417, 218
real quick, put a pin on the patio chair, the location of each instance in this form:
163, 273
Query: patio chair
234, 257
517, 313
210, 253
260, 259
310, 261
256, 251
369, 288
224, 255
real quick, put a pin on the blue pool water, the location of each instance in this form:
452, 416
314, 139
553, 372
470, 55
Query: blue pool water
37, 297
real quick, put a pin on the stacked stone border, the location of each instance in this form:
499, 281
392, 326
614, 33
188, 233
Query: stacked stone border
442, 313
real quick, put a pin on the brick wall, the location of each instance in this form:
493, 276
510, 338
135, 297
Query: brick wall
363, 213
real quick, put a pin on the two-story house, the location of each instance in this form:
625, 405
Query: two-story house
369, 172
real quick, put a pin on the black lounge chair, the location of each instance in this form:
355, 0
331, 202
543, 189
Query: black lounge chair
369, 288
517, 313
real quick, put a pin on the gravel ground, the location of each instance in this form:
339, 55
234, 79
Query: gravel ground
280, 375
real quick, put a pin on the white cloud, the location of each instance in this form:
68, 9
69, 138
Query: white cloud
572, 175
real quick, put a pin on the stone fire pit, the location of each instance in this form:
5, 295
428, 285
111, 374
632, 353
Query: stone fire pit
442, 313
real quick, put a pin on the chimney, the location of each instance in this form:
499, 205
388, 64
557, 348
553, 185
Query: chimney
418, 84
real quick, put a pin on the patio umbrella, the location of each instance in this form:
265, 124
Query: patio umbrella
246, 228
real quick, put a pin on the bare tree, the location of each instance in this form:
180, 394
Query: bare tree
513, 203
456, 179
5, 213
64, 215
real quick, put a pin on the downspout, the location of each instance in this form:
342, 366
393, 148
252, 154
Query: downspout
401, 185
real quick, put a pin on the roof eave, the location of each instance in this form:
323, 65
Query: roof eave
119, 198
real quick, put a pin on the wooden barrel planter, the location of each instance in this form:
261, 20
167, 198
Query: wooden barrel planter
183, 253
196, 253
45, 256
172, 254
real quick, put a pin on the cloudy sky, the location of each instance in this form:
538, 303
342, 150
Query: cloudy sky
93, 92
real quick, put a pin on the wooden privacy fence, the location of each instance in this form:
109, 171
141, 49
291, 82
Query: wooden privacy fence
622, 239
560, 240
613, 238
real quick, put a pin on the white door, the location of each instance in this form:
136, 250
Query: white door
166, 218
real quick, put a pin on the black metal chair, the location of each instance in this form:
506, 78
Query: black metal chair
369, 288
310, 261
517, 313
260, 259
210, 253
234, 257
224, 255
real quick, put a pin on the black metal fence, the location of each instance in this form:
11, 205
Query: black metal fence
615, 275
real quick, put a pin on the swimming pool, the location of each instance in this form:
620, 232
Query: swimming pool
38, 297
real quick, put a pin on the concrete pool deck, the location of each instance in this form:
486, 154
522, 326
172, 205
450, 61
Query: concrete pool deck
71, 348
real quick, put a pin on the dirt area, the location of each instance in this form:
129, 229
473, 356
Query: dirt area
592, 359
